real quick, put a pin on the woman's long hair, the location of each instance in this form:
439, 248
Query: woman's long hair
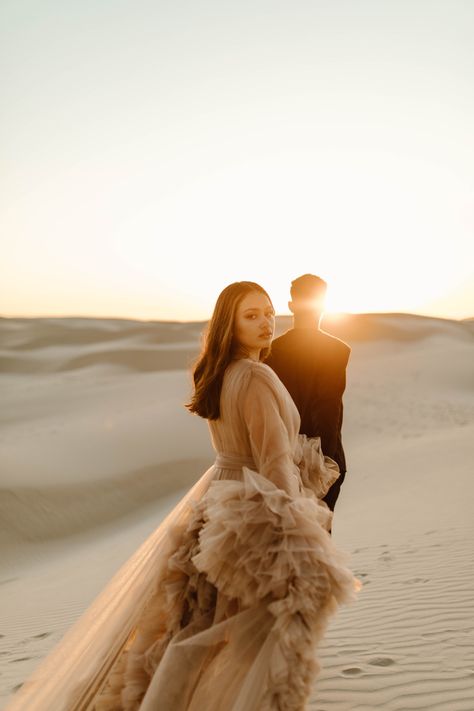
219, 349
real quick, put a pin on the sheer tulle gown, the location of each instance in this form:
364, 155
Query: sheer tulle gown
222, 607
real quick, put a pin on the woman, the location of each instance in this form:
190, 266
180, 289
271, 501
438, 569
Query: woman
222, 606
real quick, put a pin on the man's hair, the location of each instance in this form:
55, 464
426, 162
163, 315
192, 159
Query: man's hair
307, 287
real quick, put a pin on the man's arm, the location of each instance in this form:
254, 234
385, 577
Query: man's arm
330, 406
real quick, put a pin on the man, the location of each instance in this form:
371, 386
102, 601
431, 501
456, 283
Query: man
312, 365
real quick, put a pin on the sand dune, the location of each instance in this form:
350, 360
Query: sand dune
395, 327
35, 333
51, 345
96, 446
40, 513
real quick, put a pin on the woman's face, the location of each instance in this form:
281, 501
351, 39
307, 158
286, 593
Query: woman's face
254, 324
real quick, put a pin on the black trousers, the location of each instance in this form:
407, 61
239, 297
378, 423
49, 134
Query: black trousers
333, 493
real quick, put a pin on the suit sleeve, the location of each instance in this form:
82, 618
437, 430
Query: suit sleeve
268, 435
331, 405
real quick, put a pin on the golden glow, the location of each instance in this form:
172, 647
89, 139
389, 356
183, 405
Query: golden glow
261, 164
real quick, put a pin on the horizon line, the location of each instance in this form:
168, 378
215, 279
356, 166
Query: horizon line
336, 314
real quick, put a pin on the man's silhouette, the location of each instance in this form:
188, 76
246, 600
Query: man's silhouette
312, 366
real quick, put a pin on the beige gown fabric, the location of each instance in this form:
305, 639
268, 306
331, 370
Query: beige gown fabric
222, 606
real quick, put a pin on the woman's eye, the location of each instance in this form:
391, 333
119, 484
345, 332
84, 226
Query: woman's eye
269, 314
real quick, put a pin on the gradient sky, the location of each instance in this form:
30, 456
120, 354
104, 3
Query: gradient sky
153, 152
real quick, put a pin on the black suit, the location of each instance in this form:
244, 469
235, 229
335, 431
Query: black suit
312, 366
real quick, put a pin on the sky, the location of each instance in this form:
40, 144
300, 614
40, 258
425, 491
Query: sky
153, 152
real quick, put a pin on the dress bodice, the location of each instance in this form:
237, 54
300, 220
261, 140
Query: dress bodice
258, 423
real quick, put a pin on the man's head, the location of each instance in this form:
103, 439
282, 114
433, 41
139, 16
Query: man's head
307, 295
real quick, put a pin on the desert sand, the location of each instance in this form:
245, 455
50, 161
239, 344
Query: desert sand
96, 447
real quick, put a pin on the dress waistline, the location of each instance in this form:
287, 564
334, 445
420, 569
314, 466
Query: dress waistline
233, 461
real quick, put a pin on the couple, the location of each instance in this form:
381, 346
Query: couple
221, 608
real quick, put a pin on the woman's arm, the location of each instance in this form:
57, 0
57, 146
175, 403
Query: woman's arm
268, 435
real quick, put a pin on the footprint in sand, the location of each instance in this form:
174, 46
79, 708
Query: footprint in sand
352, 671
381, 661
20, 659
416, 580
42, 635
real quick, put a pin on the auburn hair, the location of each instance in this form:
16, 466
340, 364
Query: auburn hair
219, 349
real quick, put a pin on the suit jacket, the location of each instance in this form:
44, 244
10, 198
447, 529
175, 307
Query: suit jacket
312, 366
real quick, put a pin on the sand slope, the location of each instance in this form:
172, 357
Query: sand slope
96, 446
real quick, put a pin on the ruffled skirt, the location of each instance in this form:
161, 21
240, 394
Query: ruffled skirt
233, 621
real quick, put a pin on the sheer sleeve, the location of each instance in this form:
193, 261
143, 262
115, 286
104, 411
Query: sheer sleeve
318, 472
268, 434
